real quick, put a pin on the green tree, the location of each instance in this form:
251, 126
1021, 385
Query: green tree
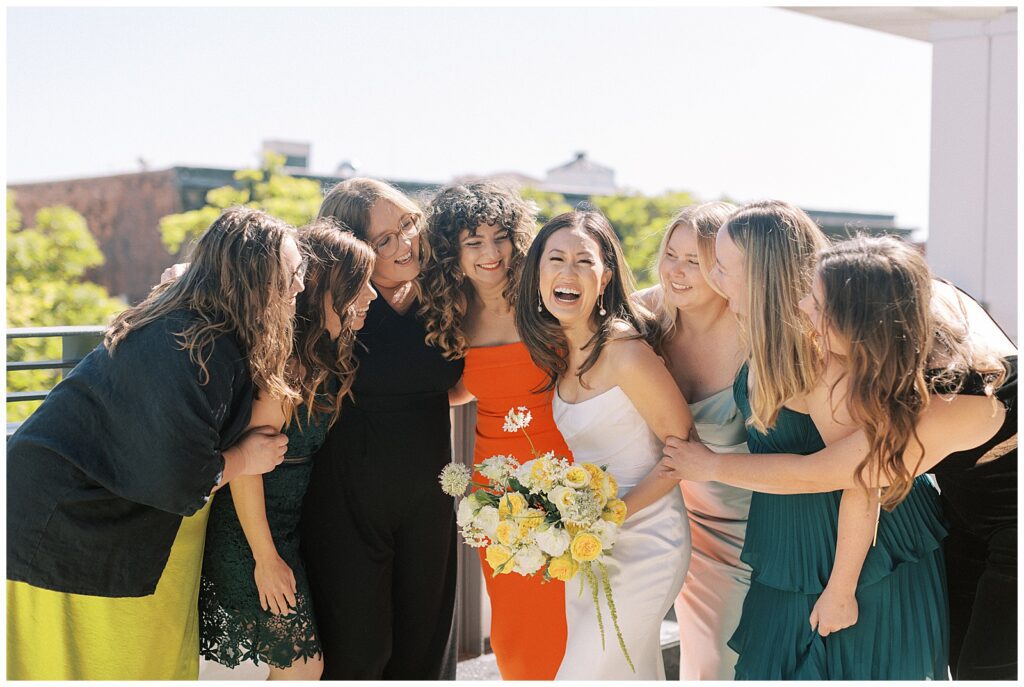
640, 221
45, 288
291, 199
548, 204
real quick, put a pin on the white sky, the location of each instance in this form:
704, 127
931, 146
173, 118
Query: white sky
747, 101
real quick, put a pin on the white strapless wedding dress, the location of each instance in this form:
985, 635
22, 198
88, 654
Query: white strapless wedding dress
650, 556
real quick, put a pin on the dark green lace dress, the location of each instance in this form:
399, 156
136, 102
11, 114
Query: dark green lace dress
233, 626
902, 632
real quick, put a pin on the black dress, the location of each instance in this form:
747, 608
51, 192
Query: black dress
377, 532
980, 503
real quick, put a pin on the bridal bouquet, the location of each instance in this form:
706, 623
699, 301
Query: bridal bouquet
545, 515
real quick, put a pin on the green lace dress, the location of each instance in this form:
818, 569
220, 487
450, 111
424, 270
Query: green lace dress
233, 626
902, 632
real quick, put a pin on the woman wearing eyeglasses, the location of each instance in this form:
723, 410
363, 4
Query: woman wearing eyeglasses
378, 534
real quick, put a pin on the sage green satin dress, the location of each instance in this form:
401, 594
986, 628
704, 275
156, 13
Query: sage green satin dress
708, 608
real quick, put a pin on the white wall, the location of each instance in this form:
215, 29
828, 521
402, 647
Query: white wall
972, 226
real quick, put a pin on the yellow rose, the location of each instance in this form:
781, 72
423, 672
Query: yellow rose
540, 473
577, 477
615, 511
507, 532
497, 555
611, 487
563, 568
596, 473
585, 547
512, 503
529, 520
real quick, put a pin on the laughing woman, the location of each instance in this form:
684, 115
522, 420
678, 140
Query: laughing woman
378, 534
479, 235
107, 482
615, 403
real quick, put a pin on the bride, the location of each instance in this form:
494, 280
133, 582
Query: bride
615, 403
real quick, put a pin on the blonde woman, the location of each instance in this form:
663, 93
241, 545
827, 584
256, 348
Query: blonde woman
823, 602
108, 481
378, 534
703, 348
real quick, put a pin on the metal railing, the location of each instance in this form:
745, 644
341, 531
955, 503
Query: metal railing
77, 342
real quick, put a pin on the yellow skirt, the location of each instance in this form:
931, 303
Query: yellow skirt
58, 636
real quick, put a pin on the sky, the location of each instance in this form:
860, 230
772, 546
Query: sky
748, 102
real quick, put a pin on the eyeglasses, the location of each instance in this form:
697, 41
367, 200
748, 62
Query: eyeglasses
300, 271
387, 245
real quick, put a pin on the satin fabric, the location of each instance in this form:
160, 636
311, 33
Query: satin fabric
649, 559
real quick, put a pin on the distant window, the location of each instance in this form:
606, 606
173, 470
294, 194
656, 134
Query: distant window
296, 161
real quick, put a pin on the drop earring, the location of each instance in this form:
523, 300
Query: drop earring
540, 301
600, 303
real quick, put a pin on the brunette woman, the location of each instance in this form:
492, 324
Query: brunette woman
378, 534
254, 600
108, 480
478, 236
703, 348
934, 384
614, 402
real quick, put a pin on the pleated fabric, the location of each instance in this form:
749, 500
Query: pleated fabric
902, 631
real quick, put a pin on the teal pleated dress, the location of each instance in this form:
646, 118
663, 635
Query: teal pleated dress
902, 632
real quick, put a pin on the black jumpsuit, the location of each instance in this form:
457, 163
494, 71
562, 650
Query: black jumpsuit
980, 502
378, 534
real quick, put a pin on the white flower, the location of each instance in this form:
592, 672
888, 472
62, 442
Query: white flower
474, 536
515, 421
552, 540
499, 469
606, 531
528, 559
487, 520
454, 479
467, 510
523, 475
582, 510
562, 498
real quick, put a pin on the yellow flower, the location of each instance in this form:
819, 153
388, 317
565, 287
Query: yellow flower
573, 529
585, 547
611, 486
563, 568
615, 511
507, 532
529, 520
498, 554
596, 473
512, 503
577, 476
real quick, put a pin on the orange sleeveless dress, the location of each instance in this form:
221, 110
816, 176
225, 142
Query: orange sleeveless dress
527, 617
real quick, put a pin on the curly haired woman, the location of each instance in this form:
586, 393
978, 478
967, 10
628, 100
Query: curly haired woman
479, 234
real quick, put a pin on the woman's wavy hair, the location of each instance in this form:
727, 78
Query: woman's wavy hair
705, 219
349, 203
340, 265
780, 244
877, 295
542, 333
235, 284
446, 290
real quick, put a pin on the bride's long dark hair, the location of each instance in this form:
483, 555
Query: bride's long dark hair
542, 333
